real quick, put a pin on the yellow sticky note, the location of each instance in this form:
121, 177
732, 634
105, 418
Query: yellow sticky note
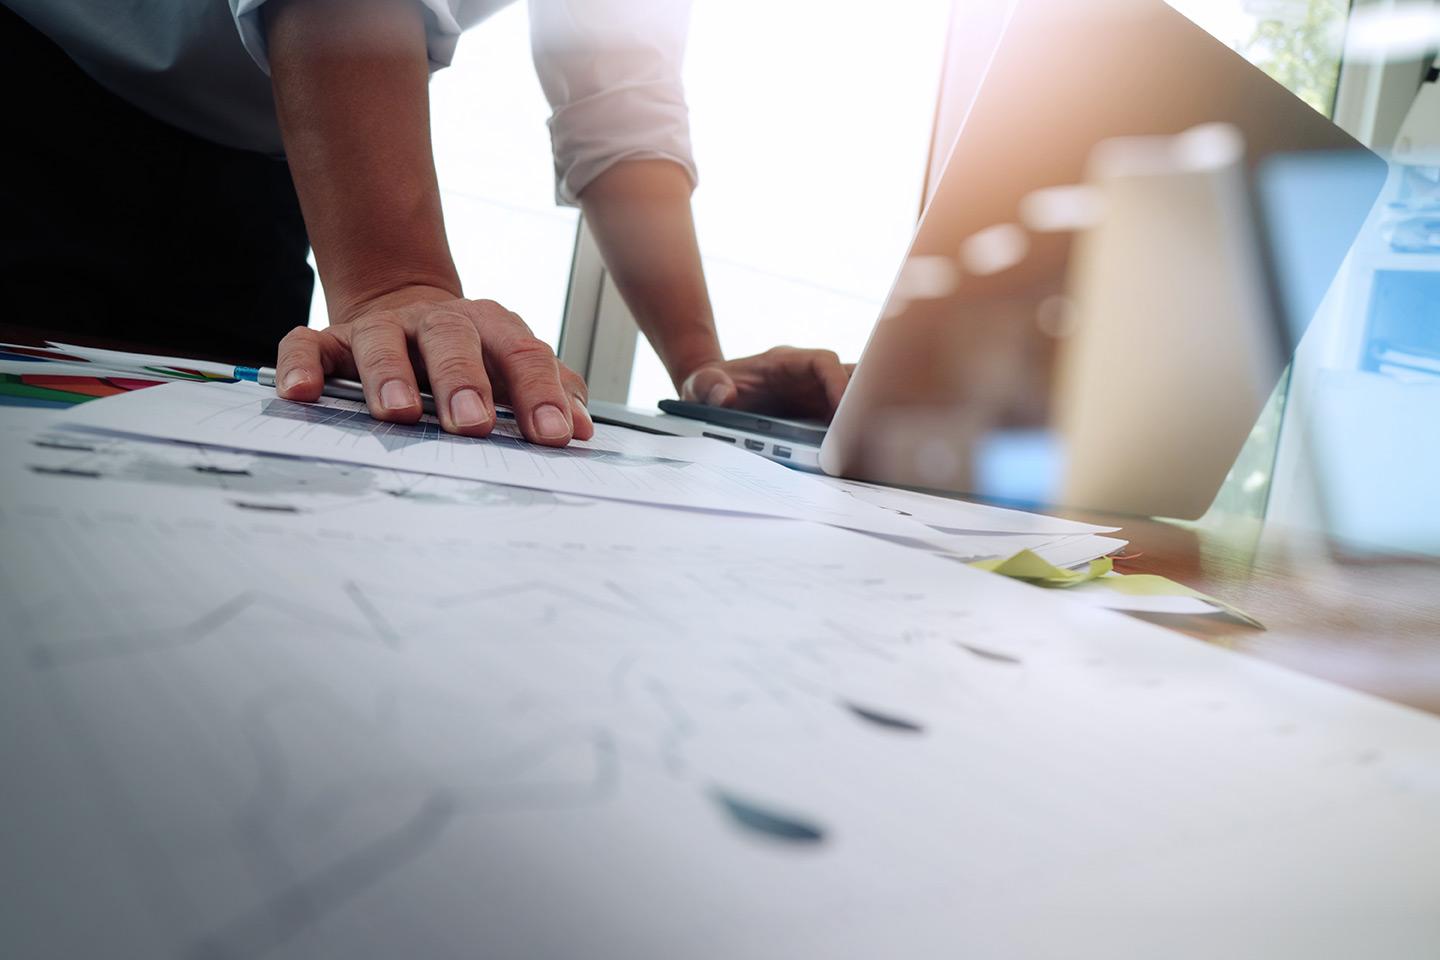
1036, 570
1033, 568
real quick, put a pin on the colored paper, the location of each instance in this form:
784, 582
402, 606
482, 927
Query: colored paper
1100, 575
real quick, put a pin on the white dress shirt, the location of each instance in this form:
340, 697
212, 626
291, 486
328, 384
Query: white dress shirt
610, 69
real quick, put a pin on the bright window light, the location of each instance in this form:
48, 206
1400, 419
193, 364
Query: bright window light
811, 123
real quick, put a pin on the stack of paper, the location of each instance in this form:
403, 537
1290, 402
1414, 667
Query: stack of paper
617, 464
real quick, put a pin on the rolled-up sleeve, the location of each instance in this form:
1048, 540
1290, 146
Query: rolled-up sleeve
442, 30
611, 71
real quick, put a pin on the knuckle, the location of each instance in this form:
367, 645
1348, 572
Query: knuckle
529, 351
385, 324
484, 312
457, 369
441, 325
384, 355
536, 386
299, 338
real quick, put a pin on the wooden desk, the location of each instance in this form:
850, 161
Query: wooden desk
1367, 623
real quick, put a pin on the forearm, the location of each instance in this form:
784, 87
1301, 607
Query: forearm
350, 80
639, 212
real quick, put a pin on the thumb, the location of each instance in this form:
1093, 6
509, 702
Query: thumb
709, 385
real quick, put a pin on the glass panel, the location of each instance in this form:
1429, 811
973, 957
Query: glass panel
1366, 395
1298, 42
811, 122
510, 241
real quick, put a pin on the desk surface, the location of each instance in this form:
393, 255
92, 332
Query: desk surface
1369, 623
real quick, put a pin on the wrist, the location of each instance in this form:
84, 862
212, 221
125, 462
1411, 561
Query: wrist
685, 364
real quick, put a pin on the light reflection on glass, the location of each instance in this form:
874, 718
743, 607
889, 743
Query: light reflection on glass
1366, 396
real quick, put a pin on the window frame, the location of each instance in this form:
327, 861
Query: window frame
598, 334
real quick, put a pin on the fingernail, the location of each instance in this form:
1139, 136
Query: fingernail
396, 395
293, 379
716, 397
467, 409
550, 423
578, 408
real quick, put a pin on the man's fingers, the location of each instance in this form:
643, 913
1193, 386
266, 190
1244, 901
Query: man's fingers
579, 394
383, 360
305, 358
709, 385
832, 375
454, 363
532, 378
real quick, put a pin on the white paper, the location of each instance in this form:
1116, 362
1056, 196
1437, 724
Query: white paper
618, 464
304, 485
140, 361
1071, 550
1095, 595
960, 516
60, 368
1079, 550
488, 725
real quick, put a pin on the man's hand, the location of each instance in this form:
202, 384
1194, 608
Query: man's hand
471, 353
639, 212
785, 380
350, 91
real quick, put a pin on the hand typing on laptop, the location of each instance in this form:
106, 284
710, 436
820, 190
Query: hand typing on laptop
804, 384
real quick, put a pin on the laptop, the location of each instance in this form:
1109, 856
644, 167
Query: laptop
1086, 315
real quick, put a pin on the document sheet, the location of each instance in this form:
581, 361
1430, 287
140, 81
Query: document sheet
953, 515
257, 706
618, 464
